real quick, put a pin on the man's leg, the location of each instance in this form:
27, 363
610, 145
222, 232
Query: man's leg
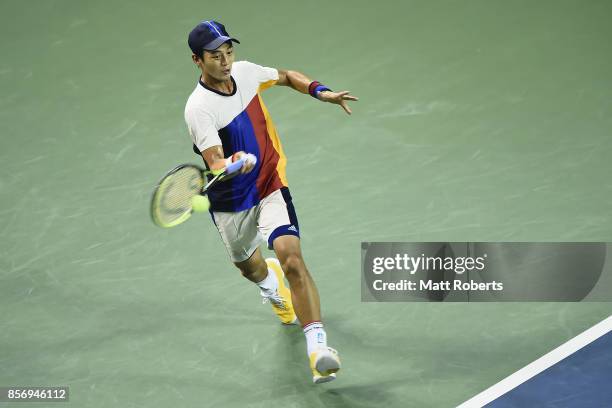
304, 293
254, 268
241, 237
273, 289
278, 223
324, 361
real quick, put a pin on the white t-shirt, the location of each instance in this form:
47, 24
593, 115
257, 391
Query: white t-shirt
239, 122
207, 110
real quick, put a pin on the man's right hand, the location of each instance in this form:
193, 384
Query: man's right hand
249, 163
213, 156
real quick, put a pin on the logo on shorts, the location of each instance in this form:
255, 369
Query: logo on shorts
292, 228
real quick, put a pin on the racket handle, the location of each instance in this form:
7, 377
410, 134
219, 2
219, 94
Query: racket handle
237, 165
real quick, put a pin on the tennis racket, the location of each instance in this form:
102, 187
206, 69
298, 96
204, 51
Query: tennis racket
172, 201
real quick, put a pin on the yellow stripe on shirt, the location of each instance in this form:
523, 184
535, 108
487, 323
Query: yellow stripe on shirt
282, 159
265, 85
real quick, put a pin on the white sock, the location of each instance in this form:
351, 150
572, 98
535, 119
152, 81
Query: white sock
316, 338
270, 282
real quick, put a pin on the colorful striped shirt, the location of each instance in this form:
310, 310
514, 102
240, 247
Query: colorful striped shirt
239, 122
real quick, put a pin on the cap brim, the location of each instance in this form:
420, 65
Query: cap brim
217, 42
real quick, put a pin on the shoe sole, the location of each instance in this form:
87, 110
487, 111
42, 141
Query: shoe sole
323, 380
327, 365
277, 263
295, 322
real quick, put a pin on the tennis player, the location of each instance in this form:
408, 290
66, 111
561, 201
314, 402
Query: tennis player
226, 118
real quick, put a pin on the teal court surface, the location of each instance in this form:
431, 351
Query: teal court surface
477, 121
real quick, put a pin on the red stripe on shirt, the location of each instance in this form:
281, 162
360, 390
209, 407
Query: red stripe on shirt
268, 180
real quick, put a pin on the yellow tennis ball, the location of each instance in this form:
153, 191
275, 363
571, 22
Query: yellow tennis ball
200, 203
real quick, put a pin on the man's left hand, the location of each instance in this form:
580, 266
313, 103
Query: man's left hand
338, 98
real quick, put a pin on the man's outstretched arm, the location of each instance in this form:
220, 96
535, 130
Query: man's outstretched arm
305, 85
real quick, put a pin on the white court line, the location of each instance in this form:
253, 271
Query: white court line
539, 365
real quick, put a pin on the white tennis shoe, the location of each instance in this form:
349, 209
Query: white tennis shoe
324, 364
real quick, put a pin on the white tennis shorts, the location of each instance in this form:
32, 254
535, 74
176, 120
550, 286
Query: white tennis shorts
242, 232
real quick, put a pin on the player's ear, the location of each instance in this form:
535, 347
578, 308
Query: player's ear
196, 60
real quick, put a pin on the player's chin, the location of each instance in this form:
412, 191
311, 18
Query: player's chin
221, 76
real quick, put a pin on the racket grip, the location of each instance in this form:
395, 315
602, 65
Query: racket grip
234, 166
237, 165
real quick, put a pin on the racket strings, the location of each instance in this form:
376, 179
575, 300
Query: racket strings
175, 193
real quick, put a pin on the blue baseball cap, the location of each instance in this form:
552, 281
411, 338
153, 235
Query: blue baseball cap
208, 35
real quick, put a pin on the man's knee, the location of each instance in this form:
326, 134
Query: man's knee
293, 266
